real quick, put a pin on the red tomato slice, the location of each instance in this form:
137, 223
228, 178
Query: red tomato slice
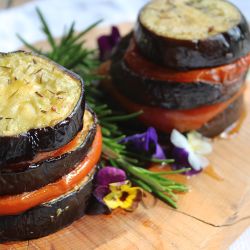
166, 120
226, 74
15, 204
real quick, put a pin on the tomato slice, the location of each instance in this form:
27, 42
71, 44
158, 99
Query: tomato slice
10, 205
46, 155
166, 120
226, 74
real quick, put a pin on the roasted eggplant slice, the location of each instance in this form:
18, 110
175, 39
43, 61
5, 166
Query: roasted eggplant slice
224, 120
188, 34
26, 178
165, 120
42, 105
48, 217
149, 84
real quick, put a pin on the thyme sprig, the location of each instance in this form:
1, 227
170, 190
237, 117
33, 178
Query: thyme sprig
72, 53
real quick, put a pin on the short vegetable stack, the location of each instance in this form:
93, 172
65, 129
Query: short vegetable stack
50, 145
184, 65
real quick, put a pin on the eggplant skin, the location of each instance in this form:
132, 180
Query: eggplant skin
47, 218
169, 95
221, 122
184, 55
25, 146
37, 175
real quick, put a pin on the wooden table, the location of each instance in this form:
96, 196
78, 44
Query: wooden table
211, 216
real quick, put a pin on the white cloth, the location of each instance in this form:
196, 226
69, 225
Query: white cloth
24, 21
60, 13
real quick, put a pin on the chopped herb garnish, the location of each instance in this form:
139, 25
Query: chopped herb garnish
36, 72
51, 92
15, 92
61, 92
5, 67
39, 94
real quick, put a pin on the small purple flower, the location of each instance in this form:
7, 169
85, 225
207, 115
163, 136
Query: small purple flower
106, 43
113, 190
104, 177
181, 161
146, 143
188, 151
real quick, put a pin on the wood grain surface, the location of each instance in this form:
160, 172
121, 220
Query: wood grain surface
211, 216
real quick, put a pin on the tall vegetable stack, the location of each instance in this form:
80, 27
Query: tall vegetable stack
184, 65
50, 145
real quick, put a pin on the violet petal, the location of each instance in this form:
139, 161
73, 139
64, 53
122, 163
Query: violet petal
181, 156
100, 192
146, 143
181, 161
159, 153
105, 47
108, 175
115, 36
106, 43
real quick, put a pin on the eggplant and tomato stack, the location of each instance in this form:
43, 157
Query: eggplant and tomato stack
50, 145
184, 66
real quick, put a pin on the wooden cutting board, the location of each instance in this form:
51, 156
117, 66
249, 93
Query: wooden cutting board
211, 216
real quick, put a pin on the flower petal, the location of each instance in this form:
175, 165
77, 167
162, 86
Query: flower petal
200, 145
123, 196
112, 200
159, 153
179, 140
133, 197
115, 36
181, 156
100, 192
106, 43
146, 143
108, 175
116, 187
197, 162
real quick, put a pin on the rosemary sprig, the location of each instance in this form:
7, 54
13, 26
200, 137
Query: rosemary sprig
71, 52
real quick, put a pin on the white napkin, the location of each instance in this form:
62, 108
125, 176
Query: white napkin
23, 19
60, 13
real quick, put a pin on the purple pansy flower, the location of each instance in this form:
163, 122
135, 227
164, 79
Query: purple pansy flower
106, 43
104, 177
188, 151
146, 143
113, 190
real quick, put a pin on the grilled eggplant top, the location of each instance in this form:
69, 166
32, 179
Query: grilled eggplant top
188, 34
34, 93
189, 19
42, 105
